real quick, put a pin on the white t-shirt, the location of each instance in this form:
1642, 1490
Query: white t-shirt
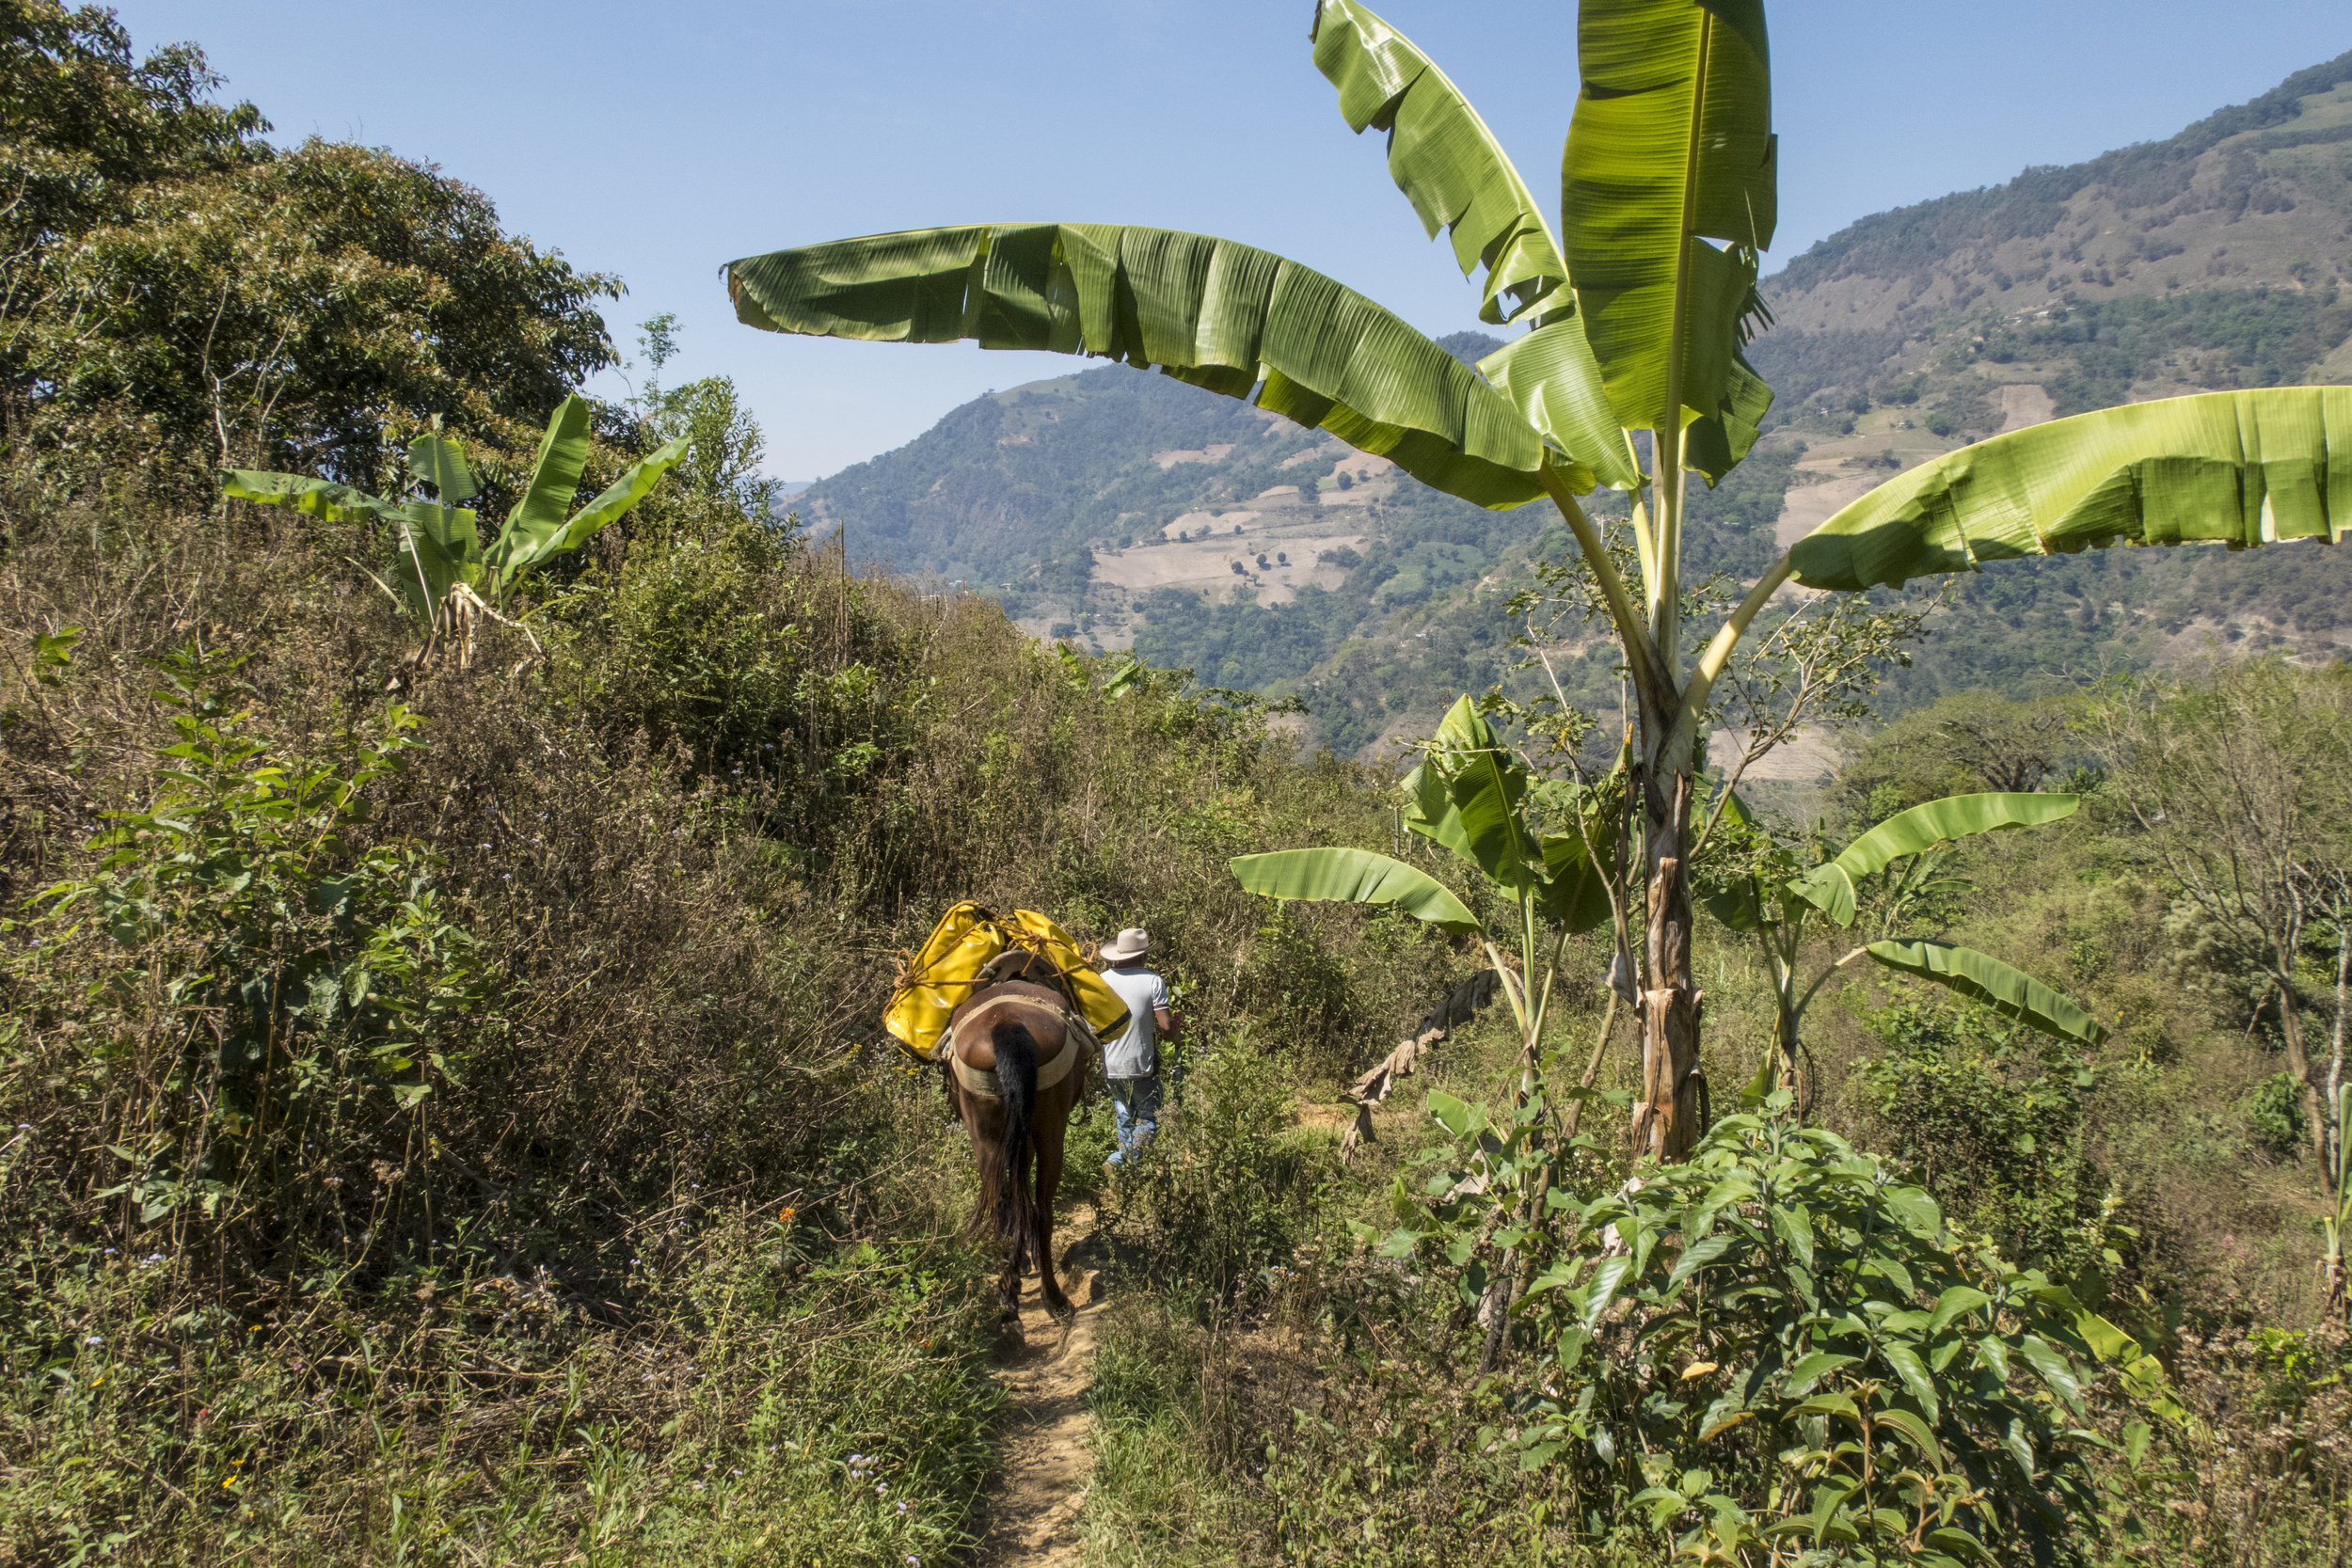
1135, 1053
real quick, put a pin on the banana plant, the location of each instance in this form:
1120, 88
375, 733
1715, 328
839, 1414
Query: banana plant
441, 569
1629, 372
1546, 851
1779, 901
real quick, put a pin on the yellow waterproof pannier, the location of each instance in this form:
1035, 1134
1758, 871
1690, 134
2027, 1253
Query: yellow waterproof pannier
944, 974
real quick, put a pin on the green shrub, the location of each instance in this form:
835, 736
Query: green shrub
1990, 1120
1232, 1185
2275, 1112
252, 987
1781, 1347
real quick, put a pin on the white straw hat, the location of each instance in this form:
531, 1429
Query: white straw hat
1129, 944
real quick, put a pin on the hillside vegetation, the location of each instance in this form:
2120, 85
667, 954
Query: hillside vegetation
444, 1116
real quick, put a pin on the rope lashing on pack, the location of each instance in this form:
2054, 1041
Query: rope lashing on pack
973, 947
909, 975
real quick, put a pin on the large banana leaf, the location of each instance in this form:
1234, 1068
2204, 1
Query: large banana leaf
1456, 175
1467, 795
1923, 827
1829, 886
440, 547
318, 498
547, 500
1828, 889
1443, 158
616, 499
537, 531
1429, 809
2242, 468
1220, 315
1355, 877
1671, 145
438, 461
1575, 894
1550, 377
1985, 979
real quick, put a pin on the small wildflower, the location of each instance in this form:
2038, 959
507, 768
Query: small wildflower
94, 1339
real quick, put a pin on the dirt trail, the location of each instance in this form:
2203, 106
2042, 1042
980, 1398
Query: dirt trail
1033, 1511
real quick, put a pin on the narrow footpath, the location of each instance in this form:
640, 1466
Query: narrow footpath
1033, 1509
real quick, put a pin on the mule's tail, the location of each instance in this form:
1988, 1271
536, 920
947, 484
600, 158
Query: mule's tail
1016, 1077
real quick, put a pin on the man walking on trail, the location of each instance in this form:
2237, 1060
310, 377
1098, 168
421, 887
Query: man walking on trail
1132, 1061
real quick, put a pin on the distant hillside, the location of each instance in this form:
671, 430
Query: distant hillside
1127, 509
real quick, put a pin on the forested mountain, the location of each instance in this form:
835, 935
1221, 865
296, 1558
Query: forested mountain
1104, 504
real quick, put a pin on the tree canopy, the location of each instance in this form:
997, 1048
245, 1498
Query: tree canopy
178, 287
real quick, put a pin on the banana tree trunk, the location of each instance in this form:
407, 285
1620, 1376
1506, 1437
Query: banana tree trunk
1780, 949
1673, 1112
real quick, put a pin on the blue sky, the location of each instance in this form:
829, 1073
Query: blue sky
659, 142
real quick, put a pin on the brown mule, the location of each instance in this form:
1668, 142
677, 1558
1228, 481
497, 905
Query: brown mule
1014, 1070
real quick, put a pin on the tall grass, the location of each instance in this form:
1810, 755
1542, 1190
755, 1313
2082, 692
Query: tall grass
510, 1167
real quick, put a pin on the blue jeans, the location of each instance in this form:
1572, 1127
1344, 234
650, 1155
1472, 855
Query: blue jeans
1136, 1112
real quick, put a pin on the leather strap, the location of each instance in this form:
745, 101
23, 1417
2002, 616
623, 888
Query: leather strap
1076, 1036
983, 1081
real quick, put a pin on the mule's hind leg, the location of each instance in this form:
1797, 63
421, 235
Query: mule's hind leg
1050, 1129
982, 1119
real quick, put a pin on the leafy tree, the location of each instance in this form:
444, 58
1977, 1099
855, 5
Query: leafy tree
2242, 785
1637, 316
175, 293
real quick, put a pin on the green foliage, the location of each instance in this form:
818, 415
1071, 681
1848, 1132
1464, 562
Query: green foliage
1353, 876
1991, 1118
328, 289
1779, 1344
1204, 1227
2276, 1113
1241, 322
302, 976
2242, 337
